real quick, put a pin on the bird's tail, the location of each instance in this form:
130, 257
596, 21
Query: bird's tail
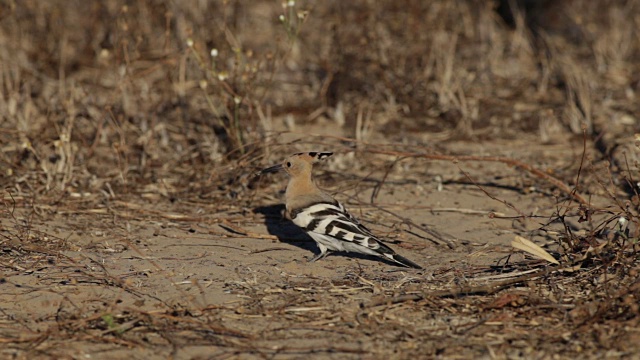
398, 259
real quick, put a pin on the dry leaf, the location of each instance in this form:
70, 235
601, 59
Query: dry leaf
528, 246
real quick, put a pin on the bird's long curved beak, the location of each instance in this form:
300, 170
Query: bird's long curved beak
272, 169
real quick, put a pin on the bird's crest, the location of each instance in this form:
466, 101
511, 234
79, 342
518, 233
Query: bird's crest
314, 156
297, 161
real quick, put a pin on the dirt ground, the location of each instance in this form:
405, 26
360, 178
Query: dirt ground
134, 224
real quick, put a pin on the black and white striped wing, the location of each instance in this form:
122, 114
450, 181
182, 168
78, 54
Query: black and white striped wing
332, 219
332, 225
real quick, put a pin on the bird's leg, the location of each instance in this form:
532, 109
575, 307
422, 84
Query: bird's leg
319, 256
323, 253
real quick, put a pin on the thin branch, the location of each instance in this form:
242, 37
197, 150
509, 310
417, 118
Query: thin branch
572, 192
467, 290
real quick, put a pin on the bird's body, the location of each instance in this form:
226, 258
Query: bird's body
325, 219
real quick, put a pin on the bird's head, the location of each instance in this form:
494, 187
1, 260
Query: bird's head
298, 163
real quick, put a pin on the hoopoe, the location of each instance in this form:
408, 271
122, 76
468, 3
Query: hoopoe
325, 219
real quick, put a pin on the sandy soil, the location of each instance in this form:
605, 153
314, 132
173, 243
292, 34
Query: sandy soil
133, 225
156, 278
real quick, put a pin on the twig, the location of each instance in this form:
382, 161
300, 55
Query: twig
506, 203
236, 229
269, 249
438, 238
376, 189
390, 206
468, 290
470, 211
505, 160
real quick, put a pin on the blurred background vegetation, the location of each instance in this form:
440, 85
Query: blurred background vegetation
133, 91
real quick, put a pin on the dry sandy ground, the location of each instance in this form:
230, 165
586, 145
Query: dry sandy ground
132, 225
150, 276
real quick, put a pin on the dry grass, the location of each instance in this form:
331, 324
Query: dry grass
118, 115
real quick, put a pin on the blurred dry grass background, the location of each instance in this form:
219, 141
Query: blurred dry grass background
164, 99
112, 90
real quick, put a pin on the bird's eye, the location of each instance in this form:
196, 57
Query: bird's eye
288, 164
